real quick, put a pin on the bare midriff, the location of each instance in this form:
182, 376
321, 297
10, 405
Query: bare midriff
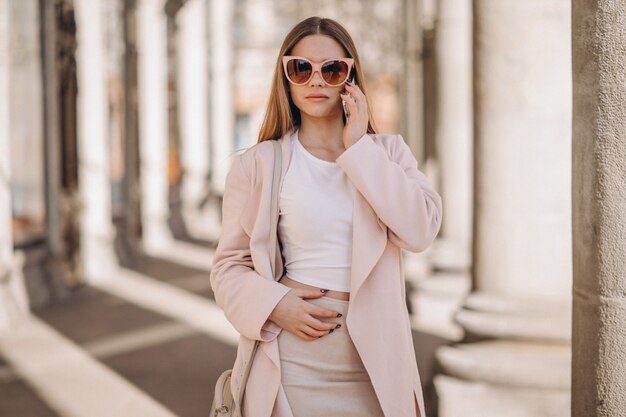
341, 295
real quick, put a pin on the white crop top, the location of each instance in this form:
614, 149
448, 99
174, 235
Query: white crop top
315, 221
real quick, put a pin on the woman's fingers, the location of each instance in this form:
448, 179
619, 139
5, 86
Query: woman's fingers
305, 336
355, 94
313, 332
302, 293
358, 97
355, 91
320, 325
350, 101
320, 311
357, 124
300, 319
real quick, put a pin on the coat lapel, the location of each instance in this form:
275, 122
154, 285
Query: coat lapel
369, 238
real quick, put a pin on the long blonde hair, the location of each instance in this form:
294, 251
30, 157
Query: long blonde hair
282, 115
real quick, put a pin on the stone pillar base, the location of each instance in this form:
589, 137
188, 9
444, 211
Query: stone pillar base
462, 398
517, 361
491, 315
508, 363
436, 300
446, 254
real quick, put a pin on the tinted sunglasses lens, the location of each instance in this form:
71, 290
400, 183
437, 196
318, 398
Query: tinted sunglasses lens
298, 70
335, 72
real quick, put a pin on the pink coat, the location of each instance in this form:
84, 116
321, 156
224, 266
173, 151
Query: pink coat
396, 207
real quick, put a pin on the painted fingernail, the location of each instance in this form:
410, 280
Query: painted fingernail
330, 331
323, 290
338, 326
339, 314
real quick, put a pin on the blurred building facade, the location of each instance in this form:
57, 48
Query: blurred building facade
118, 121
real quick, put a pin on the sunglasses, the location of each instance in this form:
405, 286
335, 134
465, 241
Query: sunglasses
299, 70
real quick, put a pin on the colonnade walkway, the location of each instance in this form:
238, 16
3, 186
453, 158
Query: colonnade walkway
148, 342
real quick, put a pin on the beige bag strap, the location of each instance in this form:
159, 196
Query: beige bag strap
274, 221
273, 248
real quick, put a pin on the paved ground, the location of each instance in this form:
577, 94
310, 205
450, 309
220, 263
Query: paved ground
169, 362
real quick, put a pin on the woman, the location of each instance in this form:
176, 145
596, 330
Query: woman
335, 332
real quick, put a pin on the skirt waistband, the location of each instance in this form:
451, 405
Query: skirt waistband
335, 304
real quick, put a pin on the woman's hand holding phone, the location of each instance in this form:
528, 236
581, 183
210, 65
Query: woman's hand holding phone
357, 117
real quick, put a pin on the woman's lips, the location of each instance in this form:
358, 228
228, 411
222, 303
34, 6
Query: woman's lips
317, 98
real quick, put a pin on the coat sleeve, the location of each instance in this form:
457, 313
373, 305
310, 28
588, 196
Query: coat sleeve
246, 297
399, 193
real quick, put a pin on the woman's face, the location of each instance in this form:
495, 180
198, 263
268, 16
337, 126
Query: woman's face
317, 48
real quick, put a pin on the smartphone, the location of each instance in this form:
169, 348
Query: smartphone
346, 111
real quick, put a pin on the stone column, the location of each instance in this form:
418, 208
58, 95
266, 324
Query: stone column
516, 355
201, 219
413, 100
26, 92
222, 118
13, 298
453, 132
59, 273
441, 274
97, 232
412, 94
132, 213
153, 143
599, 209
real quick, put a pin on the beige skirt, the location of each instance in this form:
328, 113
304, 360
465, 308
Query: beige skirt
325, 377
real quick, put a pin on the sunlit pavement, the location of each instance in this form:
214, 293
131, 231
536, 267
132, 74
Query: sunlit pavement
154, 344
167, 360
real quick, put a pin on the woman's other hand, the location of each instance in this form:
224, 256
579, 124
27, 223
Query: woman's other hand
356, 125
295, 315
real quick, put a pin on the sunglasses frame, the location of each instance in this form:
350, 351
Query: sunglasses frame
317, 66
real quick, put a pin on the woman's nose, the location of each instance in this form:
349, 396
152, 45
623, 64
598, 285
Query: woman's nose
316, 79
